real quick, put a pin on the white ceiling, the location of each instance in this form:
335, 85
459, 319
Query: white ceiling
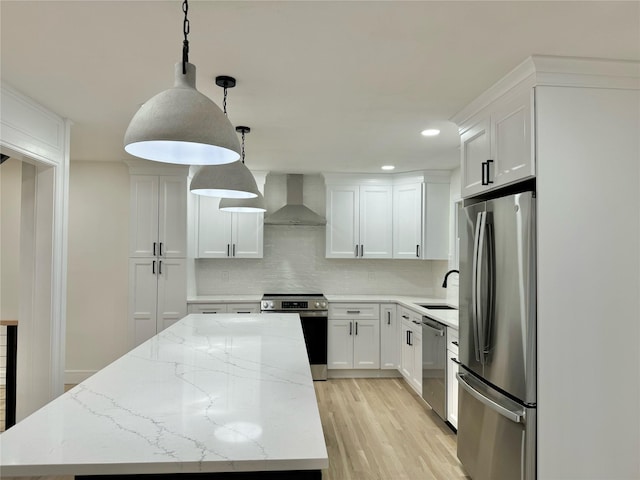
324, 86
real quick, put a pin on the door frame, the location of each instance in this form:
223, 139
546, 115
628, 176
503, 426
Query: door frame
40, 139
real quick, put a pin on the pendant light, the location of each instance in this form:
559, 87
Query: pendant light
181, 125
243, 205
232, 180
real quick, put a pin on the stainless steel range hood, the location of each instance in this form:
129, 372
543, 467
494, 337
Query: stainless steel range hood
295, 212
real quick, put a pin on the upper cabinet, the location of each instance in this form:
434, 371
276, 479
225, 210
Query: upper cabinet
227, 235
158, 221
496, 147
359, 221
388, 216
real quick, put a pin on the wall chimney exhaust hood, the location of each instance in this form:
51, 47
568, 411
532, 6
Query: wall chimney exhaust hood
295, 212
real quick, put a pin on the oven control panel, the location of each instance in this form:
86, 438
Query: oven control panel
297, 304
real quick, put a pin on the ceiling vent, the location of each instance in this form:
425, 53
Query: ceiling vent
295, 212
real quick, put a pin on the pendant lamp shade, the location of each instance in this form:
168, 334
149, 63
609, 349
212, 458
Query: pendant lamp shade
243, 205
183, 126
232, 180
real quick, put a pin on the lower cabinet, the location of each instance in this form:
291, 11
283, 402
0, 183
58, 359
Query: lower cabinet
354, 336
411, 349
210, 308
389, 335
157, 295
452, 382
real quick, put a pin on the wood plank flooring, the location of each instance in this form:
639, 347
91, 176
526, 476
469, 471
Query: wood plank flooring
378, 429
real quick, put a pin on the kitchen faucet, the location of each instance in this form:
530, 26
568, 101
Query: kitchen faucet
444, 284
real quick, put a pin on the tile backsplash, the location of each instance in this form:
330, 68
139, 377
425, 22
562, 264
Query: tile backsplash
294, 262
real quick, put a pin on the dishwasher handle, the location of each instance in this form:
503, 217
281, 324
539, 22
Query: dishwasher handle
436, 327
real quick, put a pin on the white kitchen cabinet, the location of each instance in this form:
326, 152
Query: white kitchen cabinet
158, 220
353, 336
213, 308
359, 221
411, 348
496, 146
157, 294
452, 382
407, 220
389, 337
227, 235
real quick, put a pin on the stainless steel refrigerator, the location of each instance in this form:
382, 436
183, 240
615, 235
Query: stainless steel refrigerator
497, 344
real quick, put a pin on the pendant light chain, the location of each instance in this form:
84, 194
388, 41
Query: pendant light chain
224, 101
185, 43
242, 148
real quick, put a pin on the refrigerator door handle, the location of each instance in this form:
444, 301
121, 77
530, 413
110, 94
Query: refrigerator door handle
481, 228
474, 288
514, 416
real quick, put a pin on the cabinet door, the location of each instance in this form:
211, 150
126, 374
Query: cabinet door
143, 295
340, 344
214, 229
390, 339
172, 217
417, 359
475, 150
511, 129
407, 221
366, 344
406, 352
172, 291
376, 221
452, 389
343, 213
143, 220
247, 235
436, 232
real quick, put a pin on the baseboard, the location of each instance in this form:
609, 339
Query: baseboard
73, 377
363, 373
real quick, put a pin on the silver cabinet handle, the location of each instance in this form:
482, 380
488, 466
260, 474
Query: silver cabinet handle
353, 312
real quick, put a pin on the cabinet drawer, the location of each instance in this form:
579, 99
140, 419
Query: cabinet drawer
354, 310
452, 340
410, 315
243, 308
207, 308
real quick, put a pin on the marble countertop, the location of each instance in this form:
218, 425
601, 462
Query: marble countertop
211, 393
251, 298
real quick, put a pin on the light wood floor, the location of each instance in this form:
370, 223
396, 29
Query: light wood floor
379, 429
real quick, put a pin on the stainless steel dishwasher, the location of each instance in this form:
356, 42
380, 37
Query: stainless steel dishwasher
434, 366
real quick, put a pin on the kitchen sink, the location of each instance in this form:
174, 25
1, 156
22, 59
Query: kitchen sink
436, 306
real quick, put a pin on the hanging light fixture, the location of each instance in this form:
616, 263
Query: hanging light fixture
243, 205
232, 180
181, 125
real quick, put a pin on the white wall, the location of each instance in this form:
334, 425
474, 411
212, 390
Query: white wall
294, 261
97, 329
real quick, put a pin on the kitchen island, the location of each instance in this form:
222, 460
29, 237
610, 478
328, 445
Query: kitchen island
210, 394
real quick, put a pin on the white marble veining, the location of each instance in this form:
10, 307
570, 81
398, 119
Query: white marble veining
211, 393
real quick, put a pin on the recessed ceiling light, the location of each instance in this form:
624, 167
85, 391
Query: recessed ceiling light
388, 167
431, 132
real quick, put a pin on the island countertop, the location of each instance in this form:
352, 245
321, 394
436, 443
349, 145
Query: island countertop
211, 393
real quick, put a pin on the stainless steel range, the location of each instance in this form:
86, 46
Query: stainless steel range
313, 311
